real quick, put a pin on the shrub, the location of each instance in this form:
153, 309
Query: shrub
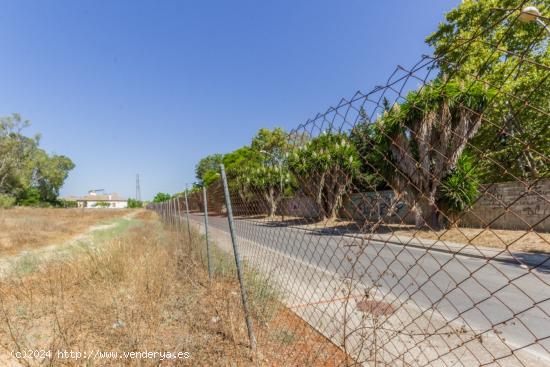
133, 203
459, 189
6, 201
62, 203
30, 196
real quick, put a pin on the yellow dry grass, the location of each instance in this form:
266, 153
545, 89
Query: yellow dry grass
511, 240
27, 228
147, 290
515, 241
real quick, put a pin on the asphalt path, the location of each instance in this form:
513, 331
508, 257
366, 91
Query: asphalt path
505, 300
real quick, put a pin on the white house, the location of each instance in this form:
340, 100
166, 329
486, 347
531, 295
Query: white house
95, 200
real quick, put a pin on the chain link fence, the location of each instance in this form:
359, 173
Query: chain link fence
409, 225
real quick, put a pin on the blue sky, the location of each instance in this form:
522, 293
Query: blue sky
152, 86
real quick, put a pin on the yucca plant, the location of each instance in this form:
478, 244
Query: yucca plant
459, 190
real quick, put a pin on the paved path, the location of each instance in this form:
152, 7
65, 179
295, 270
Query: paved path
457, 290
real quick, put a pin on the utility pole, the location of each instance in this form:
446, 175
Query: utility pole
138, 188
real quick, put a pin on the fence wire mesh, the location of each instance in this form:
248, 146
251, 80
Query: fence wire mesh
410, 225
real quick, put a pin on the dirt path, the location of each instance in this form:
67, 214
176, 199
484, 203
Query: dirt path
27, 261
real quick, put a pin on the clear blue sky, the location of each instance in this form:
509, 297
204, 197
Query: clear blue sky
152, 86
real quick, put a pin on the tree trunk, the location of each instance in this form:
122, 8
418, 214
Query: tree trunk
272, 202
426, 214
319, 200
453, 220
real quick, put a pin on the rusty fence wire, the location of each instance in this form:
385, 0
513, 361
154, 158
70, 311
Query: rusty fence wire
410, 225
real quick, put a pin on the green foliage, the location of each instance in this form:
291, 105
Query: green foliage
373, 148
6, 201
240, 165
273, 177
416, 143
207, 170
30, 196
160, 197
273, 144
196, 187
27, 172
484, 118
325, 167
133, 203
260, 170
61, 203
459, 189
50, 173
456, 95
514, 141
324, 153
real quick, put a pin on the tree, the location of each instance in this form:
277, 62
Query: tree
49, 174
422, 138
485, 39
240, 166
160, 197
208, 169
259, 169
373, 150
11, 150
27, 173
269, 179
324, 168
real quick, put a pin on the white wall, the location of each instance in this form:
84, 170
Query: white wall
113, 205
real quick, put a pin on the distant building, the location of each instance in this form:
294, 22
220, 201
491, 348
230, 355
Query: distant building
95, 200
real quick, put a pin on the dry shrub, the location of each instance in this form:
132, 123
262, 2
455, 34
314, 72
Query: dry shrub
147, 290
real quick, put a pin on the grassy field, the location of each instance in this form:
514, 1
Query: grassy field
146, 289
28, 228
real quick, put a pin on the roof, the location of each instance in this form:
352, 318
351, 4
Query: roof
102, 197
71, 198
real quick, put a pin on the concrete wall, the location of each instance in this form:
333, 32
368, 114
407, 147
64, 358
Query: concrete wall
512, 205
299, 206
375, 206
112, 205
507, 205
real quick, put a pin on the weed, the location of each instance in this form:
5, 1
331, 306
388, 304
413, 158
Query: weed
26, 264
146, 288
284, 336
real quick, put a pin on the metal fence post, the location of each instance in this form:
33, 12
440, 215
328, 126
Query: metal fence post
176, 219
206, 232
187, 215
178, 213
251, 335
171, 213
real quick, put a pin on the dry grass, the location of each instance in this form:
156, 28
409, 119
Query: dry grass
520, 241
513, 240
27, 228
144, 290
